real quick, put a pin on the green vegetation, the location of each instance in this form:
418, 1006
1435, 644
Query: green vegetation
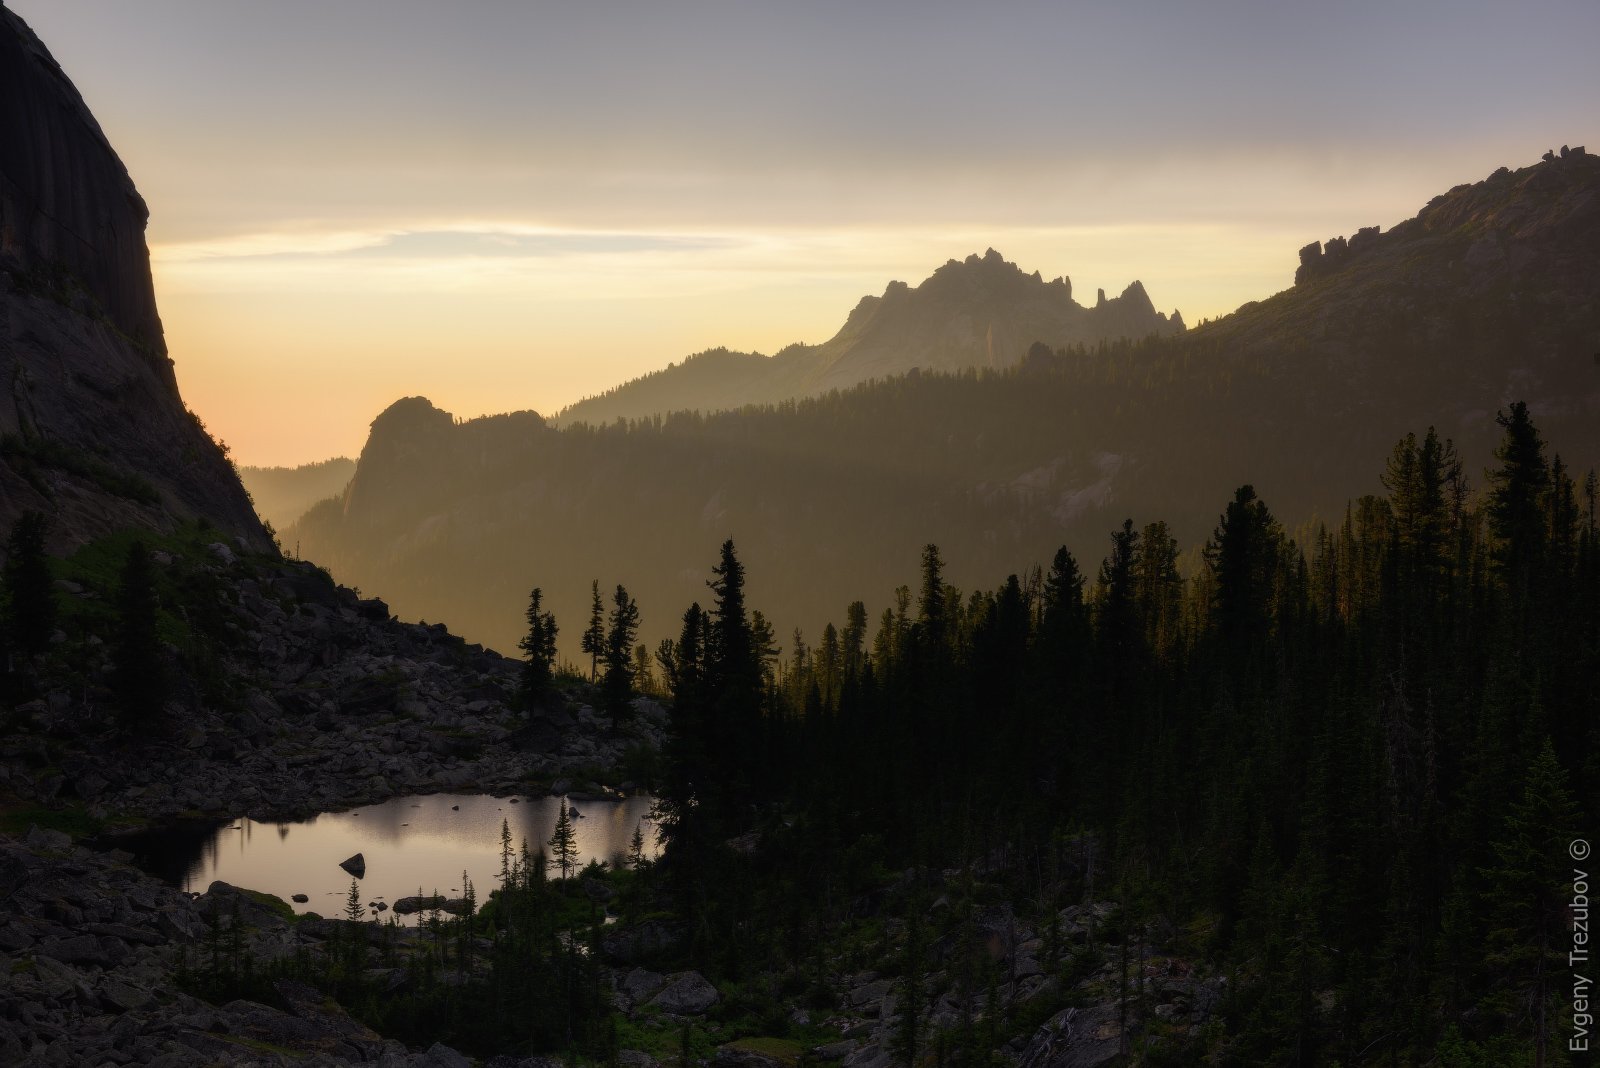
17, 819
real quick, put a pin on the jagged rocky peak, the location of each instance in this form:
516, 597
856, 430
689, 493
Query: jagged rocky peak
95, 434
1137, 299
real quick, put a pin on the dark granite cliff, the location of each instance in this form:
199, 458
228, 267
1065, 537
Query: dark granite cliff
92, 429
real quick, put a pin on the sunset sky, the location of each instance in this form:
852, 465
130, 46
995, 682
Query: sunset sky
513, 205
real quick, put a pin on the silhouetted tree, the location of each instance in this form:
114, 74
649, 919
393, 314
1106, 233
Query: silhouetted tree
139, 675
564, 843
1516, 499
594, 636
540, 646
27, 599
617, 686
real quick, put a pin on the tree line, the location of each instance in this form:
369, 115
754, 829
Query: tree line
1350, 764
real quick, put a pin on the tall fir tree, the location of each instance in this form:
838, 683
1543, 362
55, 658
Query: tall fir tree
564, 843
140, 677
27, 598
617, 684
538, 672
594, 635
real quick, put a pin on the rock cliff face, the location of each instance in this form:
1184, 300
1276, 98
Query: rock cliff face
92, 429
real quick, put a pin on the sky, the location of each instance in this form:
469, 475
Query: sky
508, 205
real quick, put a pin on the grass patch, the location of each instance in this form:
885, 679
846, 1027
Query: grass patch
260, 1046
783, 1050
271, 902
664, 1042
75, 822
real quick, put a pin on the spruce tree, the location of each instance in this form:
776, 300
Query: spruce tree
1516, 499
1528, 886
564, 843
540, 646
139, 675
594, 636
27, 600
617, 686
636, 857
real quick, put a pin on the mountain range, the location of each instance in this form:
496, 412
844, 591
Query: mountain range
1487, 296
980, 313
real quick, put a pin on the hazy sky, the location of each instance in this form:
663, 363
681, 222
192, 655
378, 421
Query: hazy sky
512, 205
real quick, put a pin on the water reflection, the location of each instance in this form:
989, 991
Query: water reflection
410, 844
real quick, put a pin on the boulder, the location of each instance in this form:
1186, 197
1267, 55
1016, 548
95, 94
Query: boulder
356, 865
13, 874
441, 1056
686, 994
405, 906
640, 984
1076, 1038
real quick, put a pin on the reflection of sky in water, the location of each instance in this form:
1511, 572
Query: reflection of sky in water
410, 844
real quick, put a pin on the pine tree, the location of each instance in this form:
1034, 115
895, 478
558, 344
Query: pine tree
540, 645
594, 636
1527, 890
764, 644
564, 843
139, 676
617, 686
1516, 499
1242, 556
27, 600
636, 857
933, 611
731, 655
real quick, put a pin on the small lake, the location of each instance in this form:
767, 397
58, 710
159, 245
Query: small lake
410, 844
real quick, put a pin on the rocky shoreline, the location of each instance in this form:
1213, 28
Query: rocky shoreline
90, 951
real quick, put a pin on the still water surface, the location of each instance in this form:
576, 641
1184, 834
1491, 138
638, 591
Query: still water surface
410, 844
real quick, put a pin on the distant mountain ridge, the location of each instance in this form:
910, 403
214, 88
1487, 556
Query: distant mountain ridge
1490, 295
282, 494
981, 312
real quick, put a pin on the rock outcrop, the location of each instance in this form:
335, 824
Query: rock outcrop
92, 429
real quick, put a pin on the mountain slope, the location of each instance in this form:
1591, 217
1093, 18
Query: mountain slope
92, 429
979, 313
830, 498
282, 494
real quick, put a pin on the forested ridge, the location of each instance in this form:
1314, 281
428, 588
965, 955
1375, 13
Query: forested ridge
1486, 296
